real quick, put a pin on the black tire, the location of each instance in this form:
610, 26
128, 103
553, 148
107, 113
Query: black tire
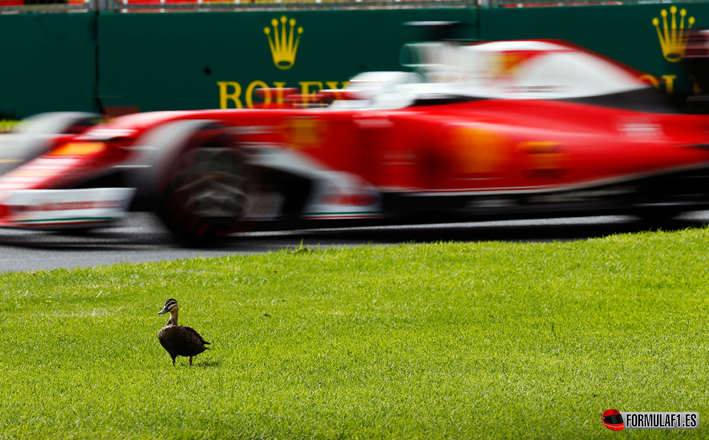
206, 191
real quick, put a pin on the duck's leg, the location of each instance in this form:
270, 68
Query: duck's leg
173, 360
190, 361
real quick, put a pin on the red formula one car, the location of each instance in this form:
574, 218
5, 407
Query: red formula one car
488, 130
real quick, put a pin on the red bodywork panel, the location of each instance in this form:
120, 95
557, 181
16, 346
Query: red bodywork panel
477, 146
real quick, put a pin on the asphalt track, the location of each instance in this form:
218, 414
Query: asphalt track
141, 238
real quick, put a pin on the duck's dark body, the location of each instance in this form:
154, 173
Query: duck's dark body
180, 340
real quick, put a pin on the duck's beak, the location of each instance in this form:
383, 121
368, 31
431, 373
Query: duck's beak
164, 310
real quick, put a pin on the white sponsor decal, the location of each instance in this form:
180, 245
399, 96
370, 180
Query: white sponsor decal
70, 206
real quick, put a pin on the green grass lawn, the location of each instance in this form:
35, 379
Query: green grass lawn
473, 340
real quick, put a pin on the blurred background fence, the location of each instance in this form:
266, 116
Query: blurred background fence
20, 6
226, 5
549, 3
33, 6
30, 6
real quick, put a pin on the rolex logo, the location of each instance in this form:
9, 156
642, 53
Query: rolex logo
283, 42
673, 39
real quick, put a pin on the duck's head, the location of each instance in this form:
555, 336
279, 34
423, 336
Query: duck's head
170, 306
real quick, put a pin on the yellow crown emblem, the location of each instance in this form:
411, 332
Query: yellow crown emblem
673, 39
283, 45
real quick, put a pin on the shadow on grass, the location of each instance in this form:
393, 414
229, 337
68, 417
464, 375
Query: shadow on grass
205, 364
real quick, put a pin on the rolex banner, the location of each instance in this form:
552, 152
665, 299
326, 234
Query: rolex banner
221, 59
122, 62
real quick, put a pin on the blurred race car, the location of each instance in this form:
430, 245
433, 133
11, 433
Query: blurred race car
505, 129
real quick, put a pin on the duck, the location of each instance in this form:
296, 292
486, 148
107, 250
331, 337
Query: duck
179, 340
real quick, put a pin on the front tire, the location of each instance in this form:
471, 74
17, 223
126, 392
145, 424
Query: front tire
206, 197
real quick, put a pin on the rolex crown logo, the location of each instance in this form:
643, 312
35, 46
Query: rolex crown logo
673, 39
283, 42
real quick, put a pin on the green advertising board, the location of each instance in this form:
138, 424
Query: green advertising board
48, 63
194, 60
219, 59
